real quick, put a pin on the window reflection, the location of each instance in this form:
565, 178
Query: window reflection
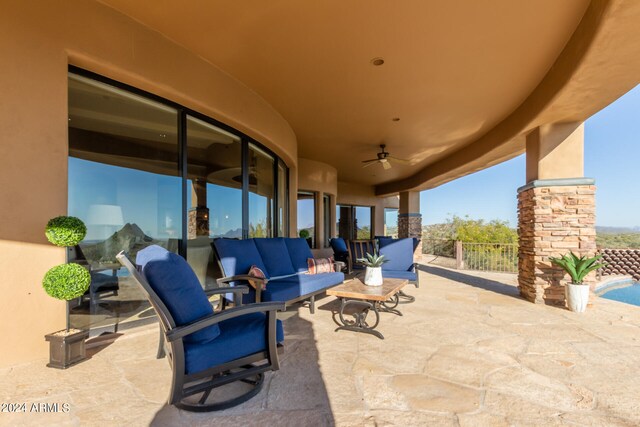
283, 226
261, 193
124, 184
214, 201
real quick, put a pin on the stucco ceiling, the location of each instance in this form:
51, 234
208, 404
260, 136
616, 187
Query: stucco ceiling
453, 71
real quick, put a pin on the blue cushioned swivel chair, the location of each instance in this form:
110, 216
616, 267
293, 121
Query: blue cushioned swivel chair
340, 251
400, 264
206, 350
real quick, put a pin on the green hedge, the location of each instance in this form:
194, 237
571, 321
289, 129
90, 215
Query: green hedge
65, 230
66, 281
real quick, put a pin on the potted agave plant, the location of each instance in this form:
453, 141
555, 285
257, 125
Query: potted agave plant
66, 282
373, 273
577, 292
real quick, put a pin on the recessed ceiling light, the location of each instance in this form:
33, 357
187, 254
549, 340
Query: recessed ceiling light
377, 61
395, 119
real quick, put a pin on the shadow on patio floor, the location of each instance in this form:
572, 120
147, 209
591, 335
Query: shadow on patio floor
475, 281
293, 395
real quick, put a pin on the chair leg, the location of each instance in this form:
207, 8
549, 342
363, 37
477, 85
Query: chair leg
161, 352
312, 304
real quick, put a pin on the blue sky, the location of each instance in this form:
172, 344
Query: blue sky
612, 151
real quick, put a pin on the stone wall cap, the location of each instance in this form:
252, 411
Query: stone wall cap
557, 183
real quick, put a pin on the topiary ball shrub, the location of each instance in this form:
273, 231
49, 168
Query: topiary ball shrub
304, 234
66, 281
65, 230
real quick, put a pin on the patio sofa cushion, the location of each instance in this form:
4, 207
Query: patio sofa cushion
179, 288
275, 256
302, 284
411, 276
398, 253
239, 337
237, 256
300, 252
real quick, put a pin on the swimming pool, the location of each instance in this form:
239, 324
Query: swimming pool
626, 291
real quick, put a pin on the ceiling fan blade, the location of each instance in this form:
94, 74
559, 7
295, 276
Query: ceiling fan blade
371, 161
395, 159
386, 165
367, 164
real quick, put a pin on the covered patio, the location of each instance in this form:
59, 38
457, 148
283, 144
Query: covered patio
468, 352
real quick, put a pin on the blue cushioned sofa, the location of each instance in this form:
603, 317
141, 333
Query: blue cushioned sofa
284, 263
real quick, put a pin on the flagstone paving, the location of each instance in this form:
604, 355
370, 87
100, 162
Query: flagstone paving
468, 352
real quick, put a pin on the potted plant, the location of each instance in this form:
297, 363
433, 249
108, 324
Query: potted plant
577, 292
66, 282
373, 273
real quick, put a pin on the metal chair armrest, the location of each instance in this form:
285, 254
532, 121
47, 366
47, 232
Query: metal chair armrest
212, 319
240, 289
226, 280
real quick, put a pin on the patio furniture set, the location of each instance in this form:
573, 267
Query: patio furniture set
208, 349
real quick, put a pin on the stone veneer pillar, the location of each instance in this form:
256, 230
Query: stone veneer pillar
555, 216
410, 218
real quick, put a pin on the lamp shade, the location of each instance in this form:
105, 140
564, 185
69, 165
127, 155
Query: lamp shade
105, 215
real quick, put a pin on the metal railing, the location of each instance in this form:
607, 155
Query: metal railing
439, 247
499, 257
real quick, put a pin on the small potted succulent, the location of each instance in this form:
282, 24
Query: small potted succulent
577, 292
66, 282
373, 273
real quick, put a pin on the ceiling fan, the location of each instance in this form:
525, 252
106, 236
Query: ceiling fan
384, 158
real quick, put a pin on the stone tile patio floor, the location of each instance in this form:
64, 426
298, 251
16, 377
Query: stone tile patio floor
468, 352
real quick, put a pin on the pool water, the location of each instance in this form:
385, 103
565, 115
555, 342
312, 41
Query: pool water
629, 294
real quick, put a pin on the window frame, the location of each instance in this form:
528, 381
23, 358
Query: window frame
181, 128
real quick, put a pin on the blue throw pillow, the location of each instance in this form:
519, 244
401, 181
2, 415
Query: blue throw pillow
178, 287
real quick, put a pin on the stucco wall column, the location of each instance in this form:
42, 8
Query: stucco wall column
556, 210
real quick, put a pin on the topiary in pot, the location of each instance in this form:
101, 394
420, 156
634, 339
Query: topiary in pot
66, 282
65, 230
304, 233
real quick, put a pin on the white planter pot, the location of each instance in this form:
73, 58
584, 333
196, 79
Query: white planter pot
373, 276
577, 297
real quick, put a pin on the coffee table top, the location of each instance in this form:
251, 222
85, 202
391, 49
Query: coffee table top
354, 288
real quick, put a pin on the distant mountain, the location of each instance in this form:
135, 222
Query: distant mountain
616, 230
129, 238
232, 234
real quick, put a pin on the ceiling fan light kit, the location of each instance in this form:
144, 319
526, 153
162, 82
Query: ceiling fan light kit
384, 158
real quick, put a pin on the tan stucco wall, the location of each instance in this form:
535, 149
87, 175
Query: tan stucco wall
317, 176
37, 42
555, 151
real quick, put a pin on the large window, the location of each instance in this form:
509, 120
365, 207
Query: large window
307, 216
354, 222
145, 171
124, 183
391, 222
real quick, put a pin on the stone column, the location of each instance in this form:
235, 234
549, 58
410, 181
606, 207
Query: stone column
556, 210
198, 216
410, 218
